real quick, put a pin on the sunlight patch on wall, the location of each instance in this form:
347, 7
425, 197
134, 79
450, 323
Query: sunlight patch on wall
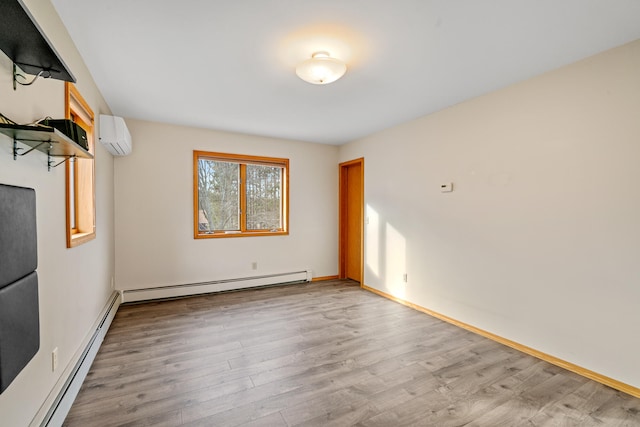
395, 262
372, 242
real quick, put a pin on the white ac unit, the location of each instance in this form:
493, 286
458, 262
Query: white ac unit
114, 135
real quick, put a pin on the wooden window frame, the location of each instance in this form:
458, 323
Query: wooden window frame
242, 160
83, 205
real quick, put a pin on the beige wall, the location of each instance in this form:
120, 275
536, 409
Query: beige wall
74, 284
540, 240
154, 210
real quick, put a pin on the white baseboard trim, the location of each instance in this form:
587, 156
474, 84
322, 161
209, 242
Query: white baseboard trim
174, 291
58, 403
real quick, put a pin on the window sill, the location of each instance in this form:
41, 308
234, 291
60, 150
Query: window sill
78, 239
223, 234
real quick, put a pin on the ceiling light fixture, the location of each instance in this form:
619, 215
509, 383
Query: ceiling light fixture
321, 69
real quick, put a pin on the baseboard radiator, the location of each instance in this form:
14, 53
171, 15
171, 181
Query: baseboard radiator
174, 291
61, 404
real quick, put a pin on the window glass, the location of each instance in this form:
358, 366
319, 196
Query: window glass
264, 199
218, 190
73, 204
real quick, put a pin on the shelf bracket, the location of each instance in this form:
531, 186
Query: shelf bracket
16, 148
50, 162
43, 73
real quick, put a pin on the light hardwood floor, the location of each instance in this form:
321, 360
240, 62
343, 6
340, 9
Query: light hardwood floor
323, 354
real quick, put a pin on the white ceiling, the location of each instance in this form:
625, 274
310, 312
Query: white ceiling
230, 64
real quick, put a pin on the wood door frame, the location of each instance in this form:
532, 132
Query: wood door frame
342, 220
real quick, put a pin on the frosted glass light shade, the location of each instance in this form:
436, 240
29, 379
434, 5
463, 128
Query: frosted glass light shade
321, 69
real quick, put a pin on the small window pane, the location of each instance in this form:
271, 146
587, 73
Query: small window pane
264, 197
72, 194
218, 201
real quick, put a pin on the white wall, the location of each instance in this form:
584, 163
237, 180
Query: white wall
154, 210
540, 241
74, 284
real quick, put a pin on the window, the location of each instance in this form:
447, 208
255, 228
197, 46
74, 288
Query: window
237, 195
80, 181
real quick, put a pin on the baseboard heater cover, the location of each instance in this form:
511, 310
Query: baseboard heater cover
62, 404
181, 290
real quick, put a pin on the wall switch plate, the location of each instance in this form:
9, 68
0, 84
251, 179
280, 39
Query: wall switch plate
446, 188
254, 265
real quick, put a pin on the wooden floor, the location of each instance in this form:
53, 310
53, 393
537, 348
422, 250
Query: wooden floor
323, 354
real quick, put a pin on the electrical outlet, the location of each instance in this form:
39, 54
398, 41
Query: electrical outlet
254, 265
113, 283
54, 359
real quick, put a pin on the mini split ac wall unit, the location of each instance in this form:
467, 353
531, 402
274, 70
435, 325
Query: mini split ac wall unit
114, 135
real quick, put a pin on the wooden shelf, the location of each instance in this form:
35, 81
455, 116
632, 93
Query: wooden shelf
45, 139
